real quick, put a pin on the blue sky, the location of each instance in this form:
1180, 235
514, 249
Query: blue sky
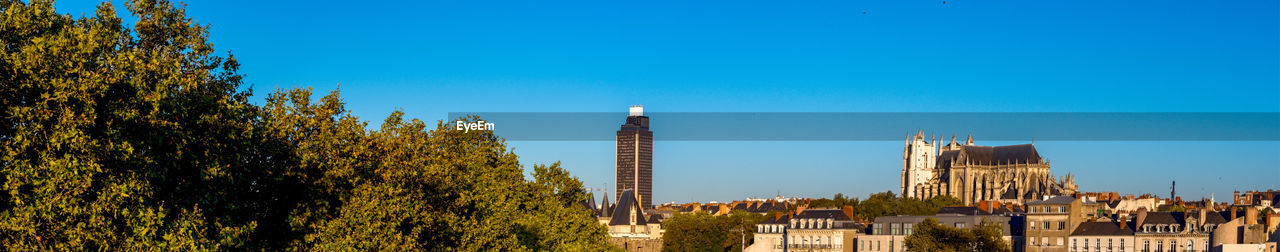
430, 58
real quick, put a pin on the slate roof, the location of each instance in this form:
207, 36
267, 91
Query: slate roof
1011, 193
1214, 218
1102, 229
606, 209
965, 210
1057, 200
590, 202
1170, 218
768, 206
836, 214
778, 220
622, 210
1022, 153
656, 219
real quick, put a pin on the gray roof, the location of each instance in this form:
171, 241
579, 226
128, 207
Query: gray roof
836, 214
1102, 229
966, 210
1170, 218
1214, 218
622, 210
656, 218
1022, 153
1057, 200
776, 220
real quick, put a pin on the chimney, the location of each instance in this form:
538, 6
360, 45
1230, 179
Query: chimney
1204, 214
1233, 213
1250, 216
1142, 217
1273, 223
1124, 221
800, 209
848, 211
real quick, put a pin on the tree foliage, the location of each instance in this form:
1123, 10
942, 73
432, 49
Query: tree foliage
928, 235
701, 231
836, 201
886, 204
143, 138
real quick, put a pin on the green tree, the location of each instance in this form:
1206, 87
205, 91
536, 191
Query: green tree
928, 235
118, 138
695, 232
143, 139
836, 201
704, 232
889, 204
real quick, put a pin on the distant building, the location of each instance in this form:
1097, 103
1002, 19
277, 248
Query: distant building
1051, 221
887, 233
1014, 173
628, 219
808, 230
1102, 236
635, 157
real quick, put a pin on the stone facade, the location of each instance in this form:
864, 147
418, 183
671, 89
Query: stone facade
1014, 173
808, 230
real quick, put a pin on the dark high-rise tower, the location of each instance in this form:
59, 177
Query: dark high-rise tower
635, 158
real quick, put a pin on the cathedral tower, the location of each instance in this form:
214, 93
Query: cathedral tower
919, 159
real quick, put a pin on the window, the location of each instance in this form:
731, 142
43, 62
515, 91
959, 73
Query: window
1191, 245
1044, 241
877, 245
890, 245
1206, 245
1121, 245
1146, 245
1046, 225
1060, 241
960, 225
1159, 246
1173, 245
896, 228
906, 228
1062, 225
1086, 244
1062, 209
1109, 245
1031, 225
1073, 245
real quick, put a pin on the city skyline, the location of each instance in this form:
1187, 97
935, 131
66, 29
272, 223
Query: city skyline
1092, 56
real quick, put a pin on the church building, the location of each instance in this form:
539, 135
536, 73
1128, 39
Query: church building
972, 173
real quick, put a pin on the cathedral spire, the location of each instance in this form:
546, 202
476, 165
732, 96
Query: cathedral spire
969, 139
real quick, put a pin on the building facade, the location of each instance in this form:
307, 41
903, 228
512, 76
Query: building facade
1051, 221
635, 158
887, 233
1014, 173
1102, 236
808, 230
1173, 231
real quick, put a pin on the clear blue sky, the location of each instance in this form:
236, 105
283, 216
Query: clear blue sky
430, 58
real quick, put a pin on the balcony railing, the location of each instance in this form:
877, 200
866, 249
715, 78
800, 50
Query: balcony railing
809, 246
